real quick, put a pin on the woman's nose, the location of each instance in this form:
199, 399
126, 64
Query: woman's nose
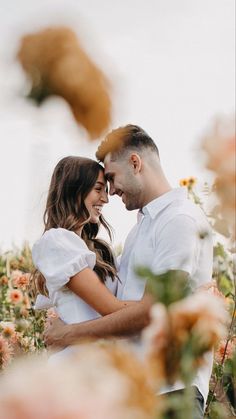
105, 197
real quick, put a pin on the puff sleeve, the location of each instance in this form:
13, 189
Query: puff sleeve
60, 254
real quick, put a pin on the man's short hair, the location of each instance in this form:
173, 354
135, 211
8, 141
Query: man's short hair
129, 137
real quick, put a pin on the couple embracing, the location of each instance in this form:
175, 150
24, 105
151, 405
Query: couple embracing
77, 272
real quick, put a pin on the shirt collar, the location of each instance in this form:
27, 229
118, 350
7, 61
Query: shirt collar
158, 204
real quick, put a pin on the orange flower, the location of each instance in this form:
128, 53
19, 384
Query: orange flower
228, 353
15, 296
192, 181
8, 329
5, 352
200, 315
183, 182
57, 65
21, 281
4, 280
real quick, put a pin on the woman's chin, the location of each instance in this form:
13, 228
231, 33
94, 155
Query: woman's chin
94, 220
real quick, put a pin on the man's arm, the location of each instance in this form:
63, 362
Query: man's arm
125, 322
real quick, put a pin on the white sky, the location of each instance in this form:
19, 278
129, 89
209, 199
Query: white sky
172, 67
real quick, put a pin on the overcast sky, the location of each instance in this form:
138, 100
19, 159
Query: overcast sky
171, 64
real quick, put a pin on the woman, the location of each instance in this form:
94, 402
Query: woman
75, 269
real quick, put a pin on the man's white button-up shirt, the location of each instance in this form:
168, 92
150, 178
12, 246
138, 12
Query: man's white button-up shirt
171, 233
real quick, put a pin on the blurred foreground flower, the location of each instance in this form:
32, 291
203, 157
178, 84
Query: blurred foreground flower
102, 382
220, 146
178, 336
57, 65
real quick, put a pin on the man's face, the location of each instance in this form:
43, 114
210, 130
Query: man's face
123, 182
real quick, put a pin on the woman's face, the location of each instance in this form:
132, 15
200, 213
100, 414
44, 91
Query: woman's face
96, 198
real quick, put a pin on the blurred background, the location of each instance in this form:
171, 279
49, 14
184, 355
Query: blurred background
170, 65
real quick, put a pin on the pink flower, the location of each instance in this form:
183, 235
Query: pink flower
16, 273
52, 314
15, 296
219, 145
211, 287
5, 352
21, 281
198, 320
86, 386
223, 351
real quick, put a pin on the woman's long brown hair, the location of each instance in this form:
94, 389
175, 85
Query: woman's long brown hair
72, 180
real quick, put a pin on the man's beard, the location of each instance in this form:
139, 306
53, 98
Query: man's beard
131, 202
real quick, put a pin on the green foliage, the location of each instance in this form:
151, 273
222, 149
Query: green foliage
168, 287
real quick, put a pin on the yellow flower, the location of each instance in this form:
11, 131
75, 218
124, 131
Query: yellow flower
183, 182
192, 181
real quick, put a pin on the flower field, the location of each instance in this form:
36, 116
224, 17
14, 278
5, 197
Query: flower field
21, 333
112, 380
20, 326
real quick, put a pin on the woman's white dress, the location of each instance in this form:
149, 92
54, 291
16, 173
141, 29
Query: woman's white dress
60, 254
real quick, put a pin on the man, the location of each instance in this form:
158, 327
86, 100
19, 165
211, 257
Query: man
172, 233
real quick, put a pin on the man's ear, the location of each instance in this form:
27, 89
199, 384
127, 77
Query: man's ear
136, 162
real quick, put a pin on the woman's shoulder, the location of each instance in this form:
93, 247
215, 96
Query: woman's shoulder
59, 250
59, 241
61, 237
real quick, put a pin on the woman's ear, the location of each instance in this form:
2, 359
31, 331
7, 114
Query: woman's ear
136, 162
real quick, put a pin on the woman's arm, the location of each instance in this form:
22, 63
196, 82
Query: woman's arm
88, 286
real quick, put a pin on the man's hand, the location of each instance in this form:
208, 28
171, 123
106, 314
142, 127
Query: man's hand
55, 334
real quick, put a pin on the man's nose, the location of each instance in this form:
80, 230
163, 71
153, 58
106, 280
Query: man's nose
112, 190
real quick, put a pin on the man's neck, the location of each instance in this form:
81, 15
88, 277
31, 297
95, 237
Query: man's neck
155, 192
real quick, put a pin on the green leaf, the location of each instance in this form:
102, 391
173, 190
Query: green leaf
168, 287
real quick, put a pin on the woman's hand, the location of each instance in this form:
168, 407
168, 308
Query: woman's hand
55, 334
